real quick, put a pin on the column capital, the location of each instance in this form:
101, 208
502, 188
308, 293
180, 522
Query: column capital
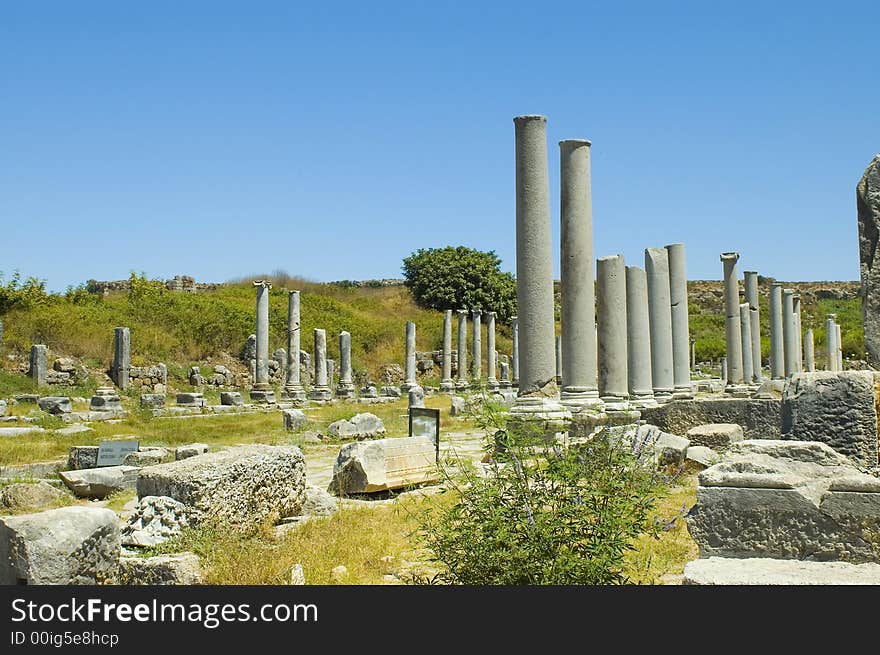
729, 256
263, 283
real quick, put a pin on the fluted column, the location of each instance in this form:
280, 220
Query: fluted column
293, 389
491, 379
733, 324
578, 365
534, 273
777, 347
638, 339
611, 315
446, 382
751, 288
657, 272
788, 332
678, 299
262, 392
462, 350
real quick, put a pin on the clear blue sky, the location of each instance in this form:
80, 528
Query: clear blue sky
332, 139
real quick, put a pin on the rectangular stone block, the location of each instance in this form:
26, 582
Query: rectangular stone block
759, 418
383, 465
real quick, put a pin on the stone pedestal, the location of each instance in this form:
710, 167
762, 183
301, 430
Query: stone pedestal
121, 367
657, 272
321, 388
38, 369
345, 388
409, 380
611, 315
638, 342
732, 326
678, 298
462, 382
293, 389
447, 384
538, 393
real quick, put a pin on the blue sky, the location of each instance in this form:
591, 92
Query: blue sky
331, 140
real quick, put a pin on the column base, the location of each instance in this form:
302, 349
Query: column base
320, 393
683, 392
663, 396
578, 399
505, 384
263, 396
492, 383
447, 386
345, 390
295, 394
462, 385
643, 400
540, 408
406, 386
737, 390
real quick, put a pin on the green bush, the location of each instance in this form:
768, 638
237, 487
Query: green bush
459, 277
545, 515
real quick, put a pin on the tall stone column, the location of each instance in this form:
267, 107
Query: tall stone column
724, 369
409, 380
476, 346
262, 392
514, 356
491, 379
612, 325
121, 357
733, 325
751, 288
345, 388
559, 359
538, 391
638, 339
798, 335
321, 388
293, 389
839, 342
657, 272
462, 350
788, 332
678, 299
446, 382
831, 343
694, 355
777, 348
578, 364
809, 353
746, 340
39, 368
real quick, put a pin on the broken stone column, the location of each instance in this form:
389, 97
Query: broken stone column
321, 388
476, 347
505, 375
660, 323
38, 365
121, 367
611, 317
788, 332
293, 389
262, 392
462, 350
751, 288
724, 369
578, 365
638, 339
777, 347
732, 325
409, 380
345, 388
809, 355
868, 211
678, 298
514, 356
799, 342
491, 380
830, 345
538, 392
446, 382
746, 340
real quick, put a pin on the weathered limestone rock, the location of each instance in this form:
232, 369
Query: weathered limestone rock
56, 405
3, 408
457, 406
764, 571
35, 495
384, 464
868, 210
838, 409
190, 399
660, 447
759, 418
786, 500
232, 398
416, 396
69, 545
241, 487
294, 419
369, 391
176, 569
191, 450
359, 426
390, 391
702, 455
154, 520
318, 502
100, 482
153, 400
297, 575
82, 457
718, 436
147, 456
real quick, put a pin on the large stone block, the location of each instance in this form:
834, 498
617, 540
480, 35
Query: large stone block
33, 495
242, 487
759, 418
70, 545
359, 426
384, 464
100, 482
55, 405
763, 571
82, 457
176, 569
715, 435
154, 520
836, 408
294, 419
787, 500
651, 445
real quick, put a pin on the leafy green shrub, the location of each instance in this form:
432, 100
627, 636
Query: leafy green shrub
459, 277
544, 515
